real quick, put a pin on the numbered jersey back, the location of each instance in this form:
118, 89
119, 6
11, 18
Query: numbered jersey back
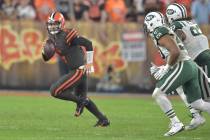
191, 29
195, 41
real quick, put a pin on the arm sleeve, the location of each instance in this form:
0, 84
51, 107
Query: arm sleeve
81, 41
71, 35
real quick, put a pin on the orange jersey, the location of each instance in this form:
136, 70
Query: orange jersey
116, 10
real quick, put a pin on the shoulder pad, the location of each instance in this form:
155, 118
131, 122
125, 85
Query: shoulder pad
176, 25
160, 32
70, 35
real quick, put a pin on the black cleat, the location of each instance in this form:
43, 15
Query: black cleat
80, 107
102, 123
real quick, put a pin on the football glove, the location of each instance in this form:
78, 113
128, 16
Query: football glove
153, 69
162, 71
89, 68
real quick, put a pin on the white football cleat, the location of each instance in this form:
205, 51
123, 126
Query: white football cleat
175, 128
196, 122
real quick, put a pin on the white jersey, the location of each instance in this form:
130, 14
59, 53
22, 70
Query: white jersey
161, 31
196, 42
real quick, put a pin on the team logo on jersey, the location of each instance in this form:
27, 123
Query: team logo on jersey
149, 17
170, 11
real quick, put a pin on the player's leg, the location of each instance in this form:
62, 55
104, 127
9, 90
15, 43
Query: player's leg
167, 108
203, 82
81, 91
176, 77
193, 93
165, 104
203, 60
184, 99
197, 119
201, 105
62, 89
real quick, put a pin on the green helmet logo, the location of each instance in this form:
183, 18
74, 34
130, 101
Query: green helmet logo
149, 17
170, 11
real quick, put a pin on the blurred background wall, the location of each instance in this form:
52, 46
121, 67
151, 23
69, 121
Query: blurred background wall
122, 53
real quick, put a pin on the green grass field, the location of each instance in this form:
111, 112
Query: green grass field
132, 118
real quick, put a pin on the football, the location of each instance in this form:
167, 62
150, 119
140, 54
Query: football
49, 49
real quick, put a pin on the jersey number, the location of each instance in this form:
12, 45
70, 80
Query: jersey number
195, 30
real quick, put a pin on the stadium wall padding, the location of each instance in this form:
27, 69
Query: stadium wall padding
21, 66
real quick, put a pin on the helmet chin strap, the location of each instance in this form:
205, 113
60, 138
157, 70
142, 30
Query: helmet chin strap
53, 32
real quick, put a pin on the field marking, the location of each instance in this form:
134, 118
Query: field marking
90, 94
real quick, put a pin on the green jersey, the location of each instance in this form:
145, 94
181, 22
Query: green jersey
160, 32
195, 42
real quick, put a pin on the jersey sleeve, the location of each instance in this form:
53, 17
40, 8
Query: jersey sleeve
82, 41
71, 34
160, 32
176, 25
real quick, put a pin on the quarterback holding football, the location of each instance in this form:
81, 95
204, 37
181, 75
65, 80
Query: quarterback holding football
77, 53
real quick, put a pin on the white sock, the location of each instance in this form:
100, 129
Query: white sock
182, 95
174, 119
194, 111
165, 105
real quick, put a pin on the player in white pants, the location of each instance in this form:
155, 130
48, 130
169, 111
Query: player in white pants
197, 119
196, 43
179, 70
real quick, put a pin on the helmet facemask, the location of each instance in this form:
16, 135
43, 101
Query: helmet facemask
53, 27
146, 31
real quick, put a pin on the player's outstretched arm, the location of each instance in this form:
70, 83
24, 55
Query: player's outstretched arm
87, 44
82, 41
